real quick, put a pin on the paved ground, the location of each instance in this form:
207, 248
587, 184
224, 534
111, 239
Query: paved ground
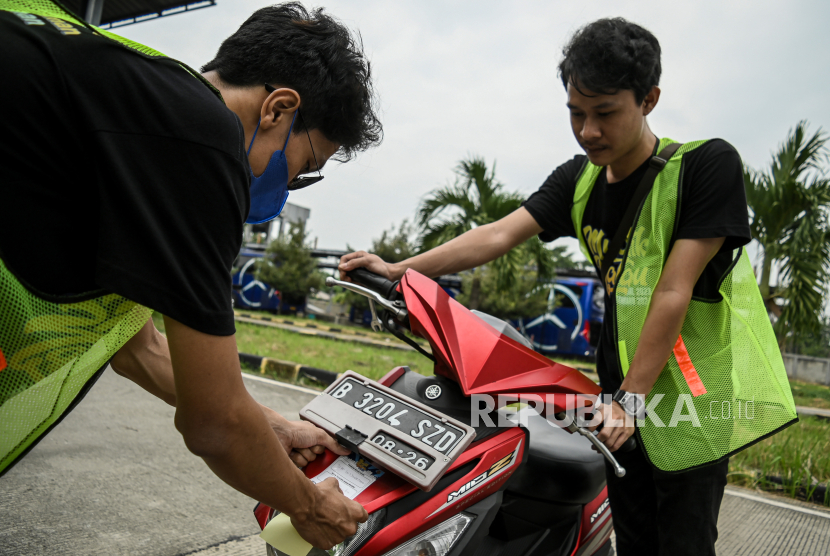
753, 524
115, 478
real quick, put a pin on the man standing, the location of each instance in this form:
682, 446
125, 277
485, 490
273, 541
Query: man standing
685, 328
125, 180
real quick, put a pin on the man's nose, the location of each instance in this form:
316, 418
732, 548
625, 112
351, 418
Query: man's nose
590, 130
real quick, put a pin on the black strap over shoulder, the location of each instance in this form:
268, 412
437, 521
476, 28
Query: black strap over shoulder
655, 165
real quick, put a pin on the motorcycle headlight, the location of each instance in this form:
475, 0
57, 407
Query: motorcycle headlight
348, 547
437, 541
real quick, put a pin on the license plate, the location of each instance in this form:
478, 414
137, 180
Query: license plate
399, 434
405, 417
403, 451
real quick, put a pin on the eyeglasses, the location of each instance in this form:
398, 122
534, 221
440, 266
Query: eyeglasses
301, 182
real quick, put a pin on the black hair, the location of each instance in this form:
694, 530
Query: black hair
317, 56
611, 55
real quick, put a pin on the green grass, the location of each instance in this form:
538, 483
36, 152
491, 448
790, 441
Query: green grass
333, 355
575, 363
323, 353
799, 454
810, 395
159, 321
308, 319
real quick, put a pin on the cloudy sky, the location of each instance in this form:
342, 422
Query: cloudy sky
457, 78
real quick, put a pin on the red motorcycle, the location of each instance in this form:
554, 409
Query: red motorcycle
451, 477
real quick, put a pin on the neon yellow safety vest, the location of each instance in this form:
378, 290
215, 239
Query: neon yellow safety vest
725, 387
52, 352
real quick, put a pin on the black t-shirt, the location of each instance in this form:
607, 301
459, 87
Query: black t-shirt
118, 174
712, 204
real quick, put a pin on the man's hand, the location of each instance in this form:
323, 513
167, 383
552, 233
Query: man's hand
617, 427
221, 423
474, 248
362, 259
302, 441
331, 519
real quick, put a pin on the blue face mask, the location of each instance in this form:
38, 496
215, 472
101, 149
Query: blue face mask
269, 191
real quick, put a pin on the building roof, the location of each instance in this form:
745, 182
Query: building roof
115, 13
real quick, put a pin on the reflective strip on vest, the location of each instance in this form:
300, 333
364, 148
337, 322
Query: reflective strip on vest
688, 368
726, 357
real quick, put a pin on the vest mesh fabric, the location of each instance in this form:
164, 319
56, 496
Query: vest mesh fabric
52, 350
730, 342
46, 8
582, 193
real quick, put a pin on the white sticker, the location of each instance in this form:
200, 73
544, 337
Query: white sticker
353, 476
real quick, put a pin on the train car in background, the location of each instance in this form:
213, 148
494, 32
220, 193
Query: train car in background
572, 324
250, 293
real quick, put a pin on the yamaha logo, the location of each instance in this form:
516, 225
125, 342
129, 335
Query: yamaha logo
433, 392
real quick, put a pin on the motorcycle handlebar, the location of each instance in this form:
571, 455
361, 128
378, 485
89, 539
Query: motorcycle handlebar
628, 445
373, 281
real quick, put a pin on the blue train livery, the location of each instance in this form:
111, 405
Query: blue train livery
572, 324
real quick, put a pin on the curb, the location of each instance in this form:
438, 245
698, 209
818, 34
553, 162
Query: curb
287, 370
813, 412
816, 497
770, 499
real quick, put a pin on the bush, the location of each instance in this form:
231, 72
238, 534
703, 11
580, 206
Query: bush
288, 266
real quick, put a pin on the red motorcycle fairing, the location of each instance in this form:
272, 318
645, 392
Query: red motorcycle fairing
262, 513
481, 360
596, 525
495, 458
478, 357
390, 488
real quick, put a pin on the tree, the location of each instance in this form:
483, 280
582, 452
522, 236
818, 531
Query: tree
395, 246
815, 344
789, 203
288, 265
474, 199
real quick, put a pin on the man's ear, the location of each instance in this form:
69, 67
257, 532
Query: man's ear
280, 104
651, 100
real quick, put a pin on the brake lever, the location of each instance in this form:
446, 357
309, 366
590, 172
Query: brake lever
393, 308
619, 470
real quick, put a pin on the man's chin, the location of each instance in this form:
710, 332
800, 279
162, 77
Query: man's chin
599, 157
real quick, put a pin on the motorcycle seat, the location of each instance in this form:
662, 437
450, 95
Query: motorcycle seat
561, 467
